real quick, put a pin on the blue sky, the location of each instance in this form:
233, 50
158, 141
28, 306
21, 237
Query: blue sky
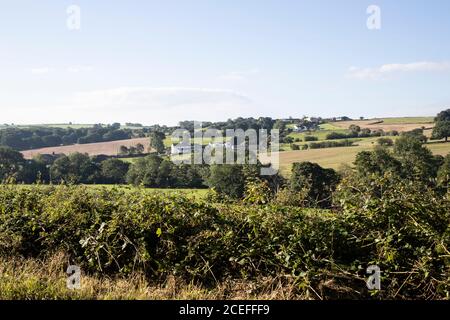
166, 61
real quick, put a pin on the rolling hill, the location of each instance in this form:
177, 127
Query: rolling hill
110, 148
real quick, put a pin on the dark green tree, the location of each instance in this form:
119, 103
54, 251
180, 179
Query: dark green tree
114, 171
316, 183
441, 130
151, 171
157, 141
417, 161
75, 168
11, 163
380, 160
443, 175
227, 179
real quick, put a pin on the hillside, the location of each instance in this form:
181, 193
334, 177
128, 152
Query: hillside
389, 124
336, 157
110, 148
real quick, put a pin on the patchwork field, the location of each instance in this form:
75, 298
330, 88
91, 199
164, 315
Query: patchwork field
389, 124
328, 157
336, 157
110, 148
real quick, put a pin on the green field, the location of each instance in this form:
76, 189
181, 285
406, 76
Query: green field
407, 120
129, 159
203, 141
329, 126
320, 134
336, 157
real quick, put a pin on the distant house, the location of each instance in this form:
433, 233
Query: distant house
181, 148
188, 148
344, 118
299, 128
226, 145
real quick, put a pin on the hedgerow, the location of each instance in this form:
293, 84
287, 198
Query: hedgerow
115, 232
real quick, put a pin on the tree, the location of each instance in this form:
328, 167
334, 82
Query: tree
365, 132
114, 171
441, 130
52, 140
75, 168
157, 141
280, 125
140, 148
151, 171
378, 161
417, 161
227, 180
123, 150
443, 116
417, 134
11, 163
385, 142
316, 183
443, 176
188, 175
354, 128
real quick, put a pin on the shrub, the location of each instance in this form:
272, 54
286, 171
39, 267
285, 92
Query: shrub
385, 142
336, 135
314, 182
330, 144
310, 138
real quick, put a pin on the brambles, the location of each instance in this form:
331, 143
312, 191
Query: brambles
400, 226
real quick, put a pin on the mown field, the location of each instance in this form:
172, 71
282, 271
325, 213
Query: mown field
336, 157
110, 148
388, 124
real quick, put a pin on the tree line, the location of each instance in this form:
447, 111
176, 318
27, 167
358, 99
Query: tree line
309, 183
41, 137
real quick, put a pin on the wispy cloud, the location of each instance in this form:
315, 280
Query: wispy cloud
158, 98
69, 69
159, 104
387, 69
240, 75
79, 69
40, 70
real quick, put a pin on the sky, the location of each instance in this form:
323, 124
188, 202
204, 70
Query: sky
209, 60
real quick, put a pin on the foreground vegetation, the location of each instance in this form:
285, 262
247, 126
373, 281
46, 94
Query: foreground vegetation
311, 236
129, 243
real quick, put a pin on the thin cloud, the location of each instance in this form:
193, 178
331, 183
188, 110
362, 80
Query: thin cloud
158, 104
79, 69
387, 69
42, 70
239, 75
158, 98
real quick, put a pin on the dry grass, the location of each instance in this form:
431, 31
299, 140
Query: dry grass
336, 157
389, 124
110, 148
31, 279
